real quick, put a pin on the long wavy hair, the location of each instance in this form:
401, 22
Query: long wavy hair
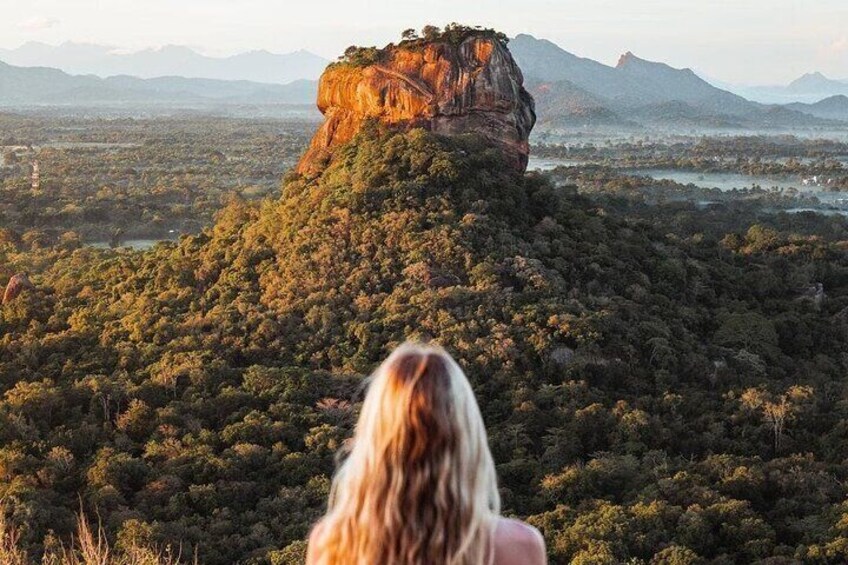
418, 486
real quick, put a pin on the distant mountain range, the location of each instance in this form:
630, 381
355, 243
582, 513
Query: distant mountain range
809, 88
833, 108
633, 83
569, 90
42, 86
171, 60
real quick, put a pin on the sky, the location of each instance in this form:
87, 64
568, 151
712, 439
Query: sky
736, 41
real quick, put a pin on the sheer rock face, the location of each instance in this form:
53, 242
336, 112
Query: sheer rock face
475, 87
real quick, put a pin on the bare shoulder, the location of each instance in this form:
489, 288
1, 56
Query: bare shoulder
518, 543
314, 535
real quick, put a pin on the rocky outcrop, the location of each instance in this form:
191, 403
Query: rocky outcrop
17, 284
472, 87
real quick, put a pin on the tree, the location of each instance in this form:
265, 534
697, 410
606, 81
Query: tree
750, 331
430, 32
777, 410
292, 554
137, 421
676, 555
760, 238
350, 52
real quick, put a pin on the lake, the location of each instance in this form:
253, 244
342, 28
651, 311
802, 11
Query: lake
547, 164
136, 244
721, 181
730, 181
823, 212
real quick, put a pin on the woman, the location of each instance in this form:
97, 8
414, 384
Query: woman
418, 486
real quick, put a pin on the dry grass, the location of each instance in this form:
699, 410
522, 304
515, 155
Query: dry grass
88, 547
10, 550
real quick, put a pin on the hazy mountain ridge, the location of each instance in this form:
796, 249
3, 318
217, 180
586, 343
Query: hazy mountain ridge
33, 86
808, 89
815, 83
644, 91
832, 108
563, 104
104, 61
570, 90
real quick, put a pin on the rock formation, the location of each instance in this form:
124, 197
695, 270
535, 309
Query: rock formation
474, 86
17, 283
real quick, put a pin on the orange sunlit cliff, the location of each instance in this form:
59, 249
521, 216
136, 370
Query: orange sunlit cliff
470, 86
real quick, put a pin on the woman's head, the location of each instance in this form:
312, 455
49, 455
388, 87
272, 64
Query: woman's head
418, 485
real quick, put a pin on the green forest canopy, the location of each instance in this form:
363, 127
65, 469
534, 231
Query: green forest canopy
650, 397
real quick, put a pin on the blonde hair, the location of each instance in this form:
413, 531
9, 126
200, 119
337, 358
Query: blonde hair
418, 486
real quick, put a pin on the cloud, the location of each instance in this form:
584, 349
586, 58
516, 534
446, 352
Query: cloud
38, 23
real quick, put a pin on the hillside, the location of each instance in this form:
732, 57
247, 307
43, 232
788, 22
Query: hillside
817, 84
662, 84
644, 91
198, 391
832, 108
561, 104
